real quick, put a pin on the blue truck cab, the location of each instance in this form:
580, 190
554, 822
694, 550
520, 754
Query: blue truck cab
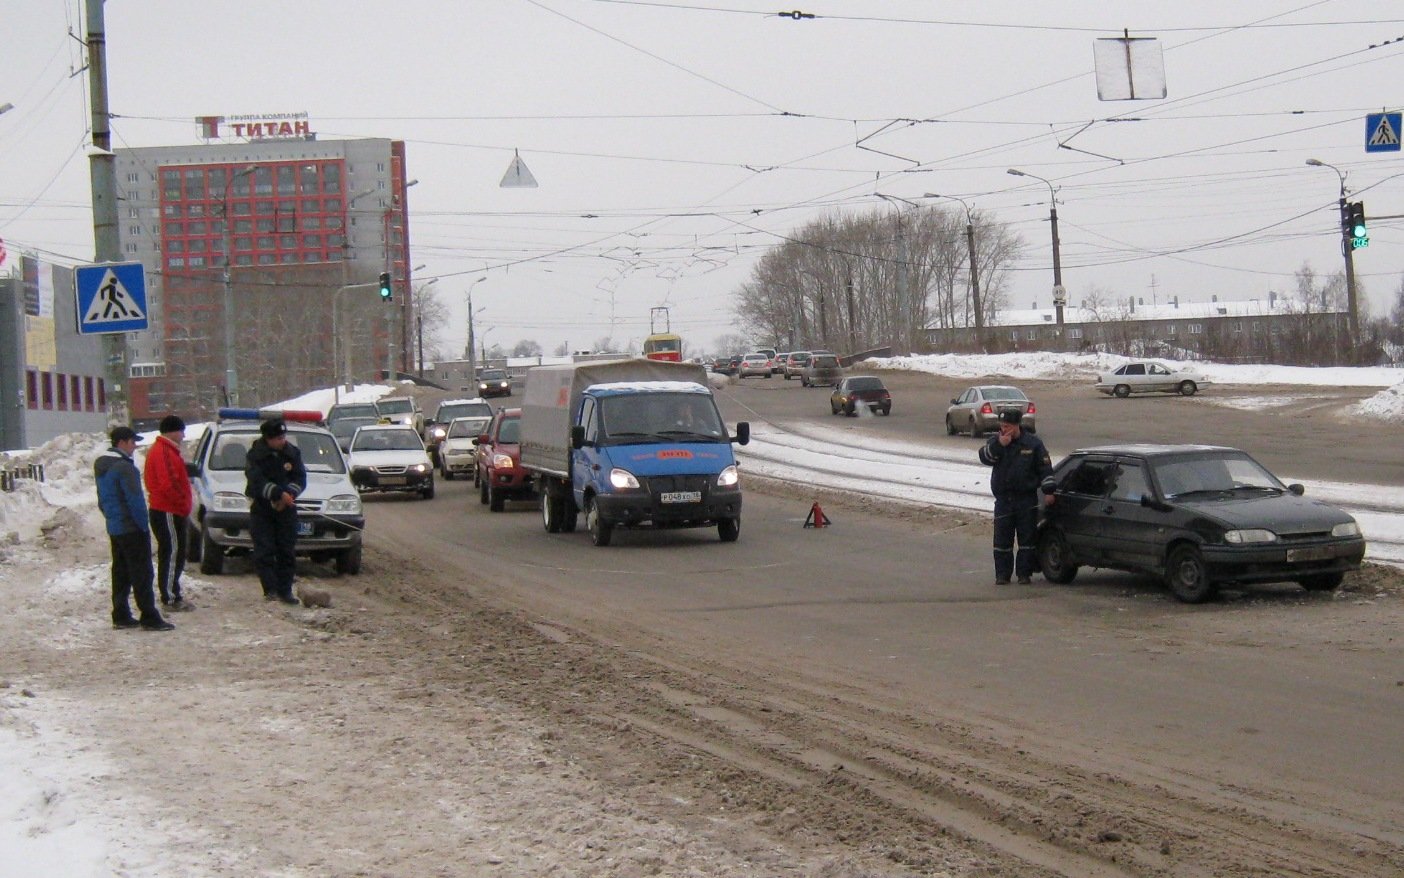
631, 444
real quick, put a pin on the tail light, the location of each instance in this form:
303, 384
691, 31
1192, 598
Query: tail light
986, 409
1032, 410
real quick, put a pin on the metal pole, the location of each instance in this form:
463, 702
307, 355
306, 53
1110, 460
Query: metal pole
231, 372
102, 169
1352, 323
974, 280
1059, 293
471, 352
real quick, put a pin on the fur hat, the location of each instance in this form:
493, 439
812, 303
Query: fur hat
273, 427
1011, 416
171, 424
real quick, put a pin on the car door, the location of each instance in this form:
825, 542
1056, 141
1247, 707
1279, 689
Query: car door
1159, 377
1133, 375
1076, 511
1131, 535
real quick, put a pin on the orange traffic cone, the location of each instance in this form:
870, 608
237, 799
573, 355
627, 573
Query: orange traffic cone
816, 517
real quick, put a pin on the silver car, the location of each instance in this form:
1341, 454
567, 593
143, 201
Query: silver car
754, 365
977, 410
1149, 376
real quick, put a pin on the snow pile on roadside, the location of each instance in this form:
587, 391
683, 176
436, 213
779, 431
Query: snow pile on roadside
1387, 405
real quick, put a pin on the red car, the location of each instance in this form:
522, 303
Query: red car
499, 474
860, 390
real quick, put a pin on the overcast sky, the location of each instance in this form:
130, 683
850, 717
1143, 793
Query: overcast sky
675, 142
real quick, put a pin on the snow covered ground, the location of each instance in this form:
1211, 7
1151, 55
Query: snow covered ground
54, 816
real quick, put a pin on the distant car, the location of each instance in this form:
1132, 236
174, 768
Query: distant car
437, 426
795, 362
344, 428
821, 369
1196, 515
351, 410
754, 366
977, 410
1149, 376
494, 382
777, 363
391, 457
860, 391
458, 451
499, 475
725, 366
401, 410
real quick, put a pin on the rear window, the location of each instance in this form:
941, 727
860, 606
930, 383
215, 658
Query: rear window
447, 413
825, 362
394, 406
1004, 393
865, 384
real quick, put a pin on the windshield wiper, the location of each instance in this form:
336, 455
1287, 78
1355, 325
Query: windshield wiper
705, 437
632, 436
1269, 488
1184, 494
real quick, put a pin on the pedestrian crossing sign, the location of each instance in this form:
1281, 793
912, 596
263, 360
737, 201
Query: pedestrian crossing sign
1382, 132
111, 297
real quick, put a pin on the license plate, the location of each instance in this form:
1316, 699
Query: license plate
304, 528
392, 480
680, 497
1311, 553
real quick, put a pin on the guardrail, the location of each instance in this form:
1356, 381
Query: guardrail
9, 477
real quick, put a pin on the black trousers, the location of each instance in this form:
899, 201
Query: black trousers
1015, 515
170, 530
275, 542
131, 575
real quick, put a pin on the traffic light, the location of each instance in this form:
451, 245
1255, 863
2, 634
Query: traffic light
387, 292
1359, 234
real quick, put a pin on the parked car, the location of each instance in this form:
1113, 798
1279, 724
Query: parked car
401, 410
330, 518
458, 452
794, 364
344, 428
821, 369
391, 457
860, 390
1198, 516
499, 475
977, 410
1149, 376
494, 382
753, 366
437, 426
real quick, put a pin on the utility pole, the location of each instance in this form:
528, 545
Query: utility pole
1347, 250
974, 280
102, 167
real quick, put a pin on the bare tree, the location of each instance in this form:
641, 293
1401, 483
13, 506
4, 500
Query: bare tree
433, 318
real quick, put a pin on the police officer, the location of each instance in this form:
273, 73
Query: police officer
275, 477
1020, 464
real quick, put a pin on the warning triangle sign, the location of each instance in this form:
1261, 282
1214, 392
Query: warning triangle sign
112, 304
1384, 135
518, 176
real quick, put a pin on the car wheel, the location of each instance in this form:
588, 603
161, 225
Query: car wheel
950, 426
211, 554
1188, 388
729, 529
192, 542
974, 429
1187, 577
887, 410
1322, 581
851, 410
1122, 391
1055, 558
349, 561
550, 512
447, 474
483, 491
495, 499
804, 382
833, 409
428, 492
600, 530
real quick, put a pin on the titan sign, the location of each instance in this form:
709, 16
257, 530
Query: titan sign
255, 127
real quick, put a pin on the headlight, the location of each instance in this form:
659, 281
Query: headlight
1251, 535
345, 504
504, 461
420, 468
439, 432
228, 501
1349, 529
728, 477
622, 478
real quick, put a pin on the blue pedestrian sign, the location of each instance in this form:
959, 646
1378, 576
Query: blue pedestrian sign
1382, 132
111, 298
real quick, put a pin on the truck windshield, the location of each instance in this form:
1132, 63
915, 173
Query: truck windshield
661, 417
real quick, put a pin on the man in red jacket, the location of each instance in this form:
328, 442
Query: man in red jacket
168, 492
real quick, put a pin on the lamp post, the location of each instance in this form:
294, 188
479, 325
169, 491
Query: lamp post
231, 371
1346, 249
974, 266
469, 354
1060, 295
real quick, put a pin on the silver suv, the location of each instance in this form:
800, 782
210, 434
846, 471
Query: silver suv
329, 521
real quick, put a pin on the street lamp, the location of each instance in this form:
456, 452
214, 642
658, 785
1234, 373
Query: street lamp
231, 372
1346, 248
1060, 295
469, 355
974, 265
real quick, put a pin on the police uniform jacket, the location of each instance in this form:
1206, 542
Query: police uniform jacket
269, 473
1019, 467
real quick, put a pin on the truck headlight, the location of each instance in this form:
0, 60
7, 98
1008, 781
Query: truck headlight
344, 504
228, 501
622, 478
728, 477
1349, 529
1250, 535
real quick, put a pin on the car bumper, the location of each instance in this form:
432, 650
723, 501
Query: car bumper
459, 463
327, 532
1277, 563
370, 480
490, 392
639, 508
514, 481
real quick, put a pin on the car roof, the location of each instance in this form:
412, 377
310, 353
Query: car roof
462, 401
1146, 449
387, 427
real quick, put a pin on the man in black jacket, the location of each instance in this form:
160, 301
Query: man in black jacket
275, 477
1021, 463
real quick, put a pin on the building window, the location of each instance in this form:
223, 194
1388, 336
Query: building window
134, 177
133, 213
89, 403
31, 389
131, 248
1033, 335
1170, 330
61, 381
1196, 328
47, 382
1074, 332
75, 393
102, 393
1238, 327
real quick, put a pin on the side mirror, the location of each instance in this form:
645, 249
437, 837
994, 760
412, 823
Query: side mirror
192, 469
1149, 502
743, 432
479, 440
577, 437
954, 401
1297, 488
